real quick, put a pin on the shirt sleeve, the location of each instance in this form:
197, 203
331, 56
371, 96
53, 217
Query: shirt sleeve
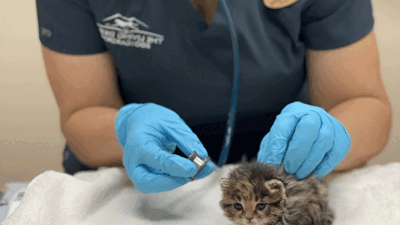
68, 26
329, 24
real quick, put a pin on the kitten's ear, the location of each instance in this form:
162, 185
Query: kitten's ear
274, 186
244, 158
223, 183
277, 191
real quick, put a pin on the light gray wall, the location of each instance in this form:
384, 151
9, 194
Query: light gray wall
30, 137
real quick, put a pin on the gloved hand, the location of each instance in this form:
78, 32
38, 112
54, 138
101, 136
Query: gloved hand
149, 134
306, 139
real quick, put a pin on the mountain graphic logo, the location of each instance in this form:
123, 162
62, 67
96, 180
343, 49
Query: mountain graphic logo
125, 31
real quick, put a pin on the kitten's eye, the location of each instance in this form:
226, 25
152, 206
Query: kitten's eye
261, 206
238, 206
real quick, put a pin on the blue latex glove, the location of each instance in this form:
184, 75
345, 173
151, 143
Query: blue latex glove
149, 134
306, 139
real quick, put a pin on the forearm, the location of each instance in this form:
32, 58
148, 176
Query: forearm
368, 121
91, 136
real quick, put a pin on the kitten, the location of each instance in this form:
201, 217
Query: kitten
263, 194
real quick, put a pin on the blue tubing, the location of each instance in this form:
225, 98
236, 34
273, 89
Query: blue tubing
235, 86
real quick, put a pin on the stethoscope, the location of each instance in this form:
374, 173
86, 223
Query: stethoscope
199, 162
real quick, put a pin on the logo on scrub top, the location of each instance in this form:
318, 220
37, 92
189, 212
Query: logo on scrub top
120, 30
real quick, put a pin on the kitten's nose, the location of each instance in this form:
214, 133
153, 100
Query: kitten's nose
249, 218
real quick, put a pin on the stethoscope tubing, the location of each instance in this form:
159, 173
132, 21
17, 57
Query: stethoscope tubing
235, 86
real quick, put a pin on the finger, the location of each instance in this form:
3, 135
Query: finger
327, 165
341, 146
168, 146
323, 144
151, 154
268, 154
304, 136
147, 182
207, 170
186, 140
295, 107
274, 145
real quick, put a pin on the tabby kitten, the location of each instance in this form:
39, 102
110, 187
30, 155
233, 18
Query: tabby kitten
263, 194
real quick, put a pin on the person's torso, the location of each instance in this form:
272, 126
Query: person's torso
167, 54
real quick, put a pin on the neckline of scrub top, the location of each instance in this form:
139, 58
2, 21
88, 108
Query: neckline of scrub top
200, 26
201, 16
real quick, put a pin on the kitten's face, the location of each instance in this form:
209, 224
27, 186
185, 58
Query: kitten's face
252, 202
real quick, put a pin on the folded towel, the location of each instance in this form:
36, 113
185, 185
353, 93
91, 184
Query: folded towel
367, 196
107, 196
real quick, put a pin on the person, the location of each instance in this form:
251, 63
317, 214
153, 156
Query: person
142, 84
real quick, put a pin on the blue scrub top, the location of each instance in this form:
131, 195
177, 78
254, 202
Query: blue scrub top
166, 53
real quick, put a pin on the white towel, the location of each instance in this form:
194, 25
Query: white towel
107, 196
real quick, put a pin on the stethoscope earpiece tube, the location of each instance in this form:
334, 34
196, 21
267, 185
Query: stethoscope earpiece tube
235, 86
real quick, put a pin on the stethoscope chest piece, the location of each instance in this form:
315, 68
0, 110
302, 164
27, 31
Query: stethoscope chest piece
199, 162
